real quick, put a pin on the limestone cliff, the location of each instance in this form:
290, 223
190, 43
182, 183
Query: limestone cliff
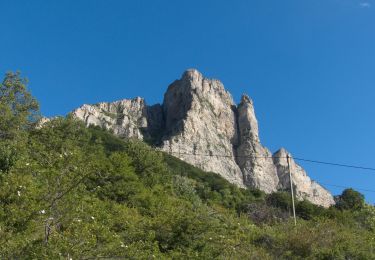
200, 123
127, 118
253, 158
303, 186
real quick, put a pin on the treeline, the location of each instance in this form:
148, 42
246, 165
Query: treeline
67, 191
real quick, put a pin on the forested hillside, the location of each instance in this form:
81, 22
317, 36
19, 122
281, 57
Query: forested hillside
68, 191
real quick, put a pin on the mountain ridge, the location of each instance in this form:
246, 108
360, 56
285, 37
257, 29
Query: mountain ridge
199, 117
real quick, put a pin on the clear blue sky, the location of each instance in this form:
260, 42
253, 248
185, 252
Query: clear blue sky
308, 65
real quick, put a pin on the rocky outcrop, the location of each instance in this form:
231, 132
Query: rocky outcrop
303, 186
42, 121
253, 158
200, 123
128, 118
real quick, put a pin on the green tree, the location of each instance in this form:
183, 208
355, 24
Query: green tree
351, 200
117, 179
19, 111
148, 164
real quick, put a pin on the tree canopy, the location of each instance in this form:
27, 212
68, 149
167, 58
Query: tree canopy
19, 111
350, 199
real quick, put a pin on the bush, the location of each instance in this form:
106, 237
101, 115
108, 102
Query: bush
280, 200
307, 210
350, 200
260, 213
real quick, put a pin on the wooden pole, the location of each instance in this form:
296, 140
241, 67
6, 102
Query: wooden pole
291, 190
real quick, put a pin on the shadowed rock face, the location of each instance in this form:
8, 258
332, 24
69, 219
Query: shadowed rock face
200, 123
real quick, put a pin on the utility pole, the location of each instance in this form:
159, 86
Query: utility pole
291, 190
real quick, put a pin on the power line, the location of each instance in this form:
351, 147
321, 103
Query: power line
299, 159
346, 187
285, 157
264, 157
179, 153
74, 185
336, 164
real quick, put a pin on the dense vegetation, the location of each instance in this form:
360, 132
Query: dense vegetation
67, 191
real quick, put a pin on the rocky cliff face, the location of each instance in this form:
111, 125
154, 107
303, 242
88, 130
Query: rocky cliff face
200, 123
128, 118
304, 187
253, 158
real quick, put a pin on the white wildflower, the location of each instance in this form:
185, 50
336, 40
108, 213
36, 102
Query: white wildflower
92, 218
18, 193
27, 164
42, 211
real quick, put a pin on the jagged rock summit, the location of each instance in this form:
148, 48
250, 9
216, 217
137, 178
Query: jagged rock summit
200, 123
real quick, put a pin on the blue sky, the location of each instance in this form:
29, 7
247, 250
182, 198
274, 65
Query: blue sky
308, 65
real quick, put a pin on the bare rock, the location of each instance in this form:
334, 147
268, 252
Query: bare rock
304, 187
253, 158
200, 123
127, 118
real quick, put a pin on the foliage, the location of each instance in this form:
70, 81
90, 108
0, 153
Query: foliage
18, 108
19, 111
350, 199
280, 200
83, 193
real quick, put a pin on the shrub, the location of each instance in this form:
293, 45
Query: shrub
350, 200
260, 213
307, 210
280, 200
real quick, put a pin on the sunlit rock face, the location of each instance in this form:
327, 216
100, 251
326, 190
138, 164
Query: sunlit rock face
127, 118
200, 123
254, 159
201, 119
304, 187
